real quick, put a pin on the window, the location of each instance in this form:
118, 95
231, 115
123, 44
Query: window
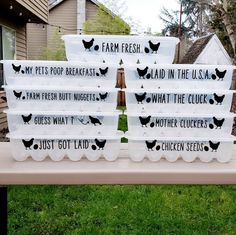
8, 43
7, 47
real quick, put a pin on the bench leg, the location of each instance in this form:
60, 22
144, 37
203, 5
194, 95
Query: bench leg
3, 210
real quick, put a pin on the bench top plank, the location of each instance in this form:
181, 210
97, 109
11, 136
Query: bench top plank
122, 171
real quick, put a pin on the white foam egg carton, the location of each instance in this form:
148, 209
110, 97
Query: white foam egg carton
114, 48
188, 149
54, 73
177, 76
58, 147
178, 101
62, 122
61, 98
167, 124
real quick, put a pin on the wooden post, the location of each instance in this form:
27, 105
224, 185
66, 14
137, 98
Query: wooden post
3, 210
121, 98
120, 82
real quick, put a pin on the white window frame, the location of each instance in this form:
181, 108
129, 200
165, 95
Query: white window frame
2, 80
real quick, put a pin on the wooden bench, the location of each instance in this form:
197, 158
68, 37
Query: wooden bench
122, 171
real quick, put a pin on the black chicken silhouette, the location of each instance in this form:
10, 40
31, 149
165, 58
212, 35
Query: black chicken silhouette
88, 45
214, 146
153, 46
150, 145
28, 143
144, 120
94, 120
142, 72
103, 96
140, 98
16, 68
220, 74
103, 71
26, 119
17, 94
100, 143
218, 123
219, 99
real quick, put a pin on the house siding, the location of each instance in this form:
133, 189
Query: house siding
64, 15
36, 40
37, 7
91, 10
21, 47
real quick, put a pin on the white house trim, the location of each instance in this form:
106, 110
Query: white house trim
81, 15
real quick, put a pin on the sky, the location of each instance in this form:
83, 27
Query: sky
146, 12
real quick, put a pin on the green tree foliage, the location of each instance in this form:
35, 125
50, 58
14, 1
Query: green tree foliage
57, 51
196, 13
106, 23
171, 21
223, 22
193, 15
219, 28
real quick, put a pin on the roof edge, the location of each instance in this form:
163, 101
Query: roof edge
58, 2
97, 3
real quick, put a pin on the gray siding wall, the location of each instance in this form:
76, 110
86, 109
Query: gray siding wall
91, 10
21, 46
64, 15
36, 40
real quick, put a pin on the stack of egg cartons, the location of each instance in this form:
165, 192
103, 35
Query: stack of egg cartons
179, 111
59, 109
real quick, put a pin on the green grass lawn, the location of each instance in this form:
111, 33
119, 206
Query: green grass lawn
122, 210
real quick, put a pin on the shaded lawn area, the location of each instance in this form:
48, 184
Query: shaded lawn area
122, 210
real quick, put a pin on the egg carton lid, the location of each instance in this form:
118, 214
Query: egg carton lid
114, 136
76, 36
59, 63
176, 115
42, 112
60, 88
186, 91
229, 138
178, 66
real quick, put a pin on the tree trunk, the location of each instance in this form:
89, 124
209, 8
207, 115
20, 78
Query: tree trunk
229, 25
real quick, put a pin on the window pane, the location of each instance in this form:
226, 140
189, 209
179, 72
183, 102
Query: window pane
8, 43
